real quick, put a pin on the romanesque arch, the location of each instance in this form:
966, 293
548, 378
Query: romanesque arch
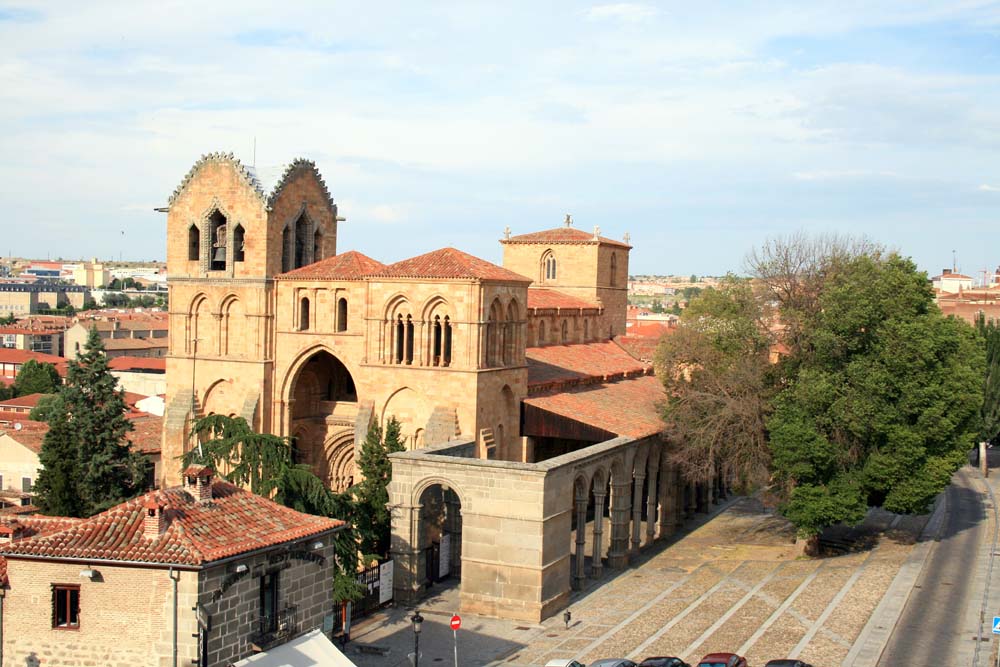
323, 407
438, 535
233, 327
409, 407
201, 326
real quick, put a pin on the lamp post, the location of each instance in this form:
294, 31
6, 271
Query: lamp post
417, 620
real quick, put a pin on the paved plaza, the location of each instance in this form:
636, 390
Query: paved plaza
734, 582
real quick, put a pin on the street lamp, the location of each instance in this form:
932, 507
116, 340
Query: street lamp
417, 622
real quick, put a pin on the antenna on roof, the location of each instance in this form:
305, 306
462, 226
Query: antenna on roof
953, 269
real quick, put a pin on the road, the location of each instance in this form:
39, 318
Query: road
939, 622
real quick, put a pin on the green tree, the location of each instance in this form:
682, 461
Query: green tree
8, 320
693, 278
110, 471
657, 306
265, 464
46, 407
882, 401
36, 378
719, 383
57, 487
990, 332
676, 309
373, 521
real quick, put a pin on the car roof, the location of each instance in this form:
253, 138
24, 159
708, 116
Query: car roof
718, 656
783, 662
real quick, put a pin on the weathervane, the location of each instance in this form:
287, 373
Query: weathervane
627, 237
569, 220
506, 233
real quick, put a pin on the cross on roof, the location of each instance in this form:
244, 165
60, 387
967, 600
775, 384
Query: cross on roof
569, 220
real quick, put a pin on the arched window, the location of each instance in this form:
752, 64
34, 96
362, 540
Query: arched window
217, 236
541, 332
614, 269
342, 314
194, 243
564, 332
398, 347
586, 330
446, 351
317, 246
286, 250
436, 340
238, 243
301, 237
409, 340
548, 266
304, 314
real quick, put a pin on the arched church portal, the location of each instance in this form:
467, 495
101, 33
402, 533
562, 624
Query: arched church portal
440, 536
324, 407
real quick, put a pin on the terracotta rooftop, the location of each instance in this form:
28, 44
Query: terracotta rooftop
31, 434
350, 265
641, 346
27, 401
32, 526
564, 235
133, 343
127, 363
555, 365
630, 407
12, 356
449, 263
232, 523
147, 436
544, 299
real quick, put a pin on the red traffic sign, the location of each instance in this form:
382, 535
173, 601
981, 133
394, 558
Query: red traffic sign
456, 622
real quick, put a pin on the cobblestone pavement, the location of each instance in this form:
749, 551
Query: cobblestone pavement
735, 583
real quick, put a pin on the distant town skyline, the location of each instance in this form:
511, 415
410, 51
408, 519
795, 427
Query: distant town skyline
700, 132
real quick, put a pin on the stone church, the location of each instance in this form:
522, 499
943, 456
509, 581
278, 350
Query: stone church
270, 322
535, 456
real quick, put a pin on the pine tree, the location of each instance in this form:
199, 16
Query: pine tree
373, 520
110, 471
57, 488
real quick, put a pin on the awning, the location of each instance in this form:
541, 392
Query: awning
312, 649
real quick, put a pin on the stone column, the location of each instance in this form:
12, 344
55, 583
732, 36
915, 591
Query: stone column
640, 477
597, 566
701, 498
406, 553
691, 500
453, 510
581, 542
652, 498
668, 504
618, 546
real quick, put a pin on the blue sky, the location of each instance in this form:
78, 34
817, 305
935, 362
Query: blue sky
699, 131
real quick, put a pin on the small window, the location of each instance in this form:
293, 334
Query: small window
194, 244
269, 602
614, 269
239, 240
548, 266
26, 484
564, 333
317, 246
286, 250
301, 238
341, 314
304, 315
217, 234
66, 606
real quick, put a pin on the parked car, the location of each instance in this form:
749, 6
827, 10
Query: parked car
787, 662
564, 663
613, 662
723, 660
663, 661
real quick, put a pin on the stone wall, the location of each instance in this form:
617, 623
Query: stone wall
126, 616
233, 600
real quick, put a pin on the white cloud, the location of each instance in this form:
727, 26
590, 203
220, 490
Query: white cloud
985, 187
628, 12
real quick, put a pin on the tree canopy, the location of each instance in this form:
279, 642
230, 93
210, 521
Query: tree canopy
876, 397
372, 518
88, 427
36, 378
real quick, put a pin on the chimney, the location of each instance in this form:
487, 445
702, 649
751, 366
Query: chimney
154, 522
198, 482
10, 531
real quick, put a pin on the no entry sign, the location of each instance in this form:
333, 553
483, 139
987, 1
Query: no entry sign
456, 622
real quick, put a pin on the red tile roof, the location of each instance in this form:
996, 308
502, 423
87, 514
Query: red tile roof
134, 343
12, 356
350, 265
629, 407
563, 235
31, 434
450, 263
234, 522
147, 436
32, 526
127, 363
543, 299
28, 401
642, 347
562, 365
